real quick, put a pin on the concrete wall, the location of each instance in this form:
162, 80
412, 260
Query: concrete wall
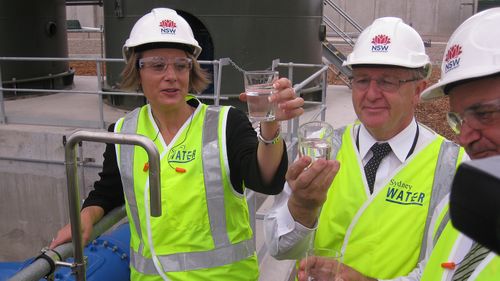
33, 200
428, 17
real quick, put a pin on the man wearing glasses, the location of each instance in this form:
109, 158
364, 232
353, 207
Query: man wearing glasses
470, 76
376, 208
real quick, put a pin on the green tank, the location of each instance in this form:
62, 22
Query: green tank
34, 29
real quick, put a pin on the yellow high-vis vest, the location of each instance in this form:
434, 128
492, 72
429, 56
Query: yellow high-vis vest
204, 230
381, 236
448, 242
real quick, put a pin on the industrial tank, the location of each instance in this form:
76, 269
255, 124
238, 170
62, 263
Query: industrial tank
250, 32
34, 28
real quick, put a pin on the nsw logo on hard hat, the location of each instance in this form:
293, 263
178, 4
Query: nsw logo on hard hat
168, 27
380, 43
452, 58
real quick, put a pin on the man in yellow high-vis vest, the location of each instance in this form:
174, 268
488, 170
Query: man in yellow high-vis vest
377, 217
470, 76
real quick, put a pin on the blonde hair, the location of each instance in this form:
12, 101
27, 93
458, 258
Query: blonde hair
199, 79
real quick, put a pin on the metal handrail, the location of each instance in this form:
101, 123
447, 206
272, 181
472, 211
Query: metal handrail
348, 18
348, 39
217, 66
73, 190
84, 2
293, 125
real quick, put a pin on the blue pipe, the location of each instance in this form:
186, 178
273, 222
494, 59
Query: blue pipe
107, 259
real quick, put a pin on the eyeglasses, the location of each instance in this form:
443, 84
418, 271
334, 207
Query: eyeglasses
386, 84
159, 65
477, 116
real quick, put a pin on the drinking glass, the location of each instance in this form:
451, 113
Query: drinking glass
322, 264
315, 140
258, 88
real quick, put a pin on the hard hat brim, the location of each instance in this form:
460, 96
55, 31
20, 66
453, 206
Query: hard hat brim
437, 90
383, 61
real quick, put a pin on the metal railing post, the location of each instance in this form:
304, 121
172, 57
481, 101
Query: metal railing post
99, 88
252, 209
221, 63
216, 81
73, 189
323, 94
2, 106
291, 124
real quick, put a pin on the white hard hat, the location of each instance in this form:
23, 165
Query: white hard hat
389, 41
473, 51
162, 25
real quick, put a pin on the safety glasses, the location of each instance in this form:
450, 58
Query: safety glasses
158, 65
477, 116
386, 84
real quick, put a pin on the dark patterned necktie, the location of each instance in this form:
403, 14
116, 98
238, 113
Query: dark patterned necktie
476, 254
379, 150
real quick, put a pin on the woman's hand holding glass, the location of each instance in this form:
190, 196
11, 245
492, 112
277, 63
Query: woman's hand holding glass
288, 105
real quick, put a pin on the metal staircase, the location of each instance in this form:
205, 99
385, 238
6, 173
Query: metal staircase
335, 58
331, 54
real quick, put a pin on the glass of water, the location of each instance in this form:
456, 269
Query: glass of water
258, 88
315, 140
323, 264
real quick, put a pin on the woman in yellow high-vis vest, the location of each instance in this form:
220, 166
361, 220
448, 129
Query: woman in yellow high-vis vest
209, 155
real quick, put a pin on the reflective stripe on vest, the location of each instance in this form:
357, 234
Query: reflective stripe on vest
126, 162
442, 225
337, 141
194, 260
443, 177
224, 252
213, 177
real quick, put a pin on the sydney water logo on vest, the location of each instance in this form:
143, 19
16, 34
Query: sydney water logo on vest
400, 192
168, 27
180, 154
452, 58
380, 43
